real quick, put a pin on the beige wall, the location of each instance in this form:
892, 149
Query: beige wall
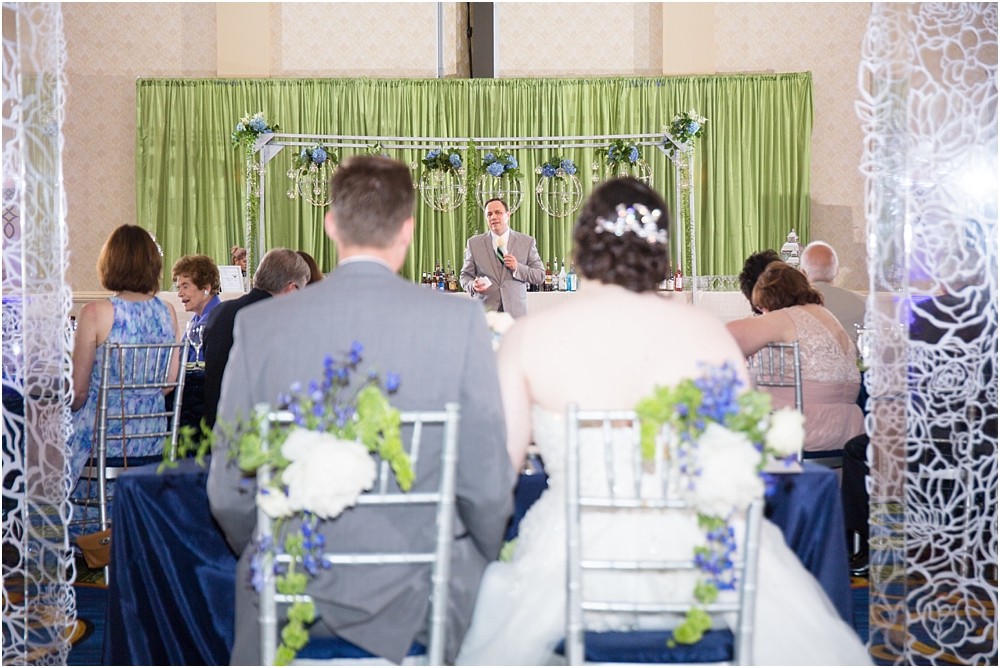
111, 44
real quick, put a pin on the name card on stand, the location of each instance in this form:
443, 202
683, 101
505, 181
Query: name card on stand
231, 277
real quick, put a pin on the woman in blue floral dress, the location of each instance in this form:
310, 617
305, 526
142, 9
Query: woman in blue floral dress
130, 265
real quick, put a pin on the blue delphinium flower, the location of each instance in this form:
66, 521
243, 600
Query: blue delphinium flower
633, 155
455, 159
356, 350
319, 155
511, 162
568, 167
488, 158
433, 154
495, 169
548, 171
391, 382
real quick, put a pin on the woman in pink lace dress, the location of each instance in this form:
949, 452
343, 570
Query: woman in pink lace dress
793, 310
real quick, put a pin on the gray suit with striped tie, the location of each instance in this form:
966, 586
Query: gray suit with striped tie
508, 291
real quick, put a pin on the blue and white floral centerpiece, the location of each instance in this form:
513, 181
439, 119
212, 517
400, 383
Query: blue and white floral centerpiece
442, 184
621, 158
311, 170
559, 192
500, 178
721, 443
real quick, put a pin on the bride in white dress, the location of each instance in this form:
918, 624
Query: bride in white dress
606, 348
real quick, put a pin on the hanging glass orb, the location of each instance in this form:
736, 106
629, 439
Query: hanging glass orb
506, 187
312, 182
442, 190
560, 195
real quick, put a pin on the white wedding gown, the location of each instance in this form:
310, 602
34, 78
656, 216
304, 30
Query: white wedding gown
520, 610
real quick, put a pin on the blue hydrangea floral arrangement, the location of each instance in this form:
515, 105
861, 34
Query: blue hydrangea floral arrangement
683, 130
620, 152
500, 163
313, 157
557, 166
443, 160
250, 127
721, 441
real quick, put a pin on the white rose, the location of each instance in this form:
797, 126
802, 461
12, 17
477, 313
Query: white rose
786, 433
728, 464
326, 474
273, 502
499, 322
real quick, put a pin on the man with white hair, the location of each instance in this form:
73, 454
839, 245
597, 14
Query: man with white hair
819, 264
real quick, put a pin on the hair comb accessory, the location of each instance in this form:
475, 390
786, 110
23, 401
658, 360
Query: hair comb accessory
638, 220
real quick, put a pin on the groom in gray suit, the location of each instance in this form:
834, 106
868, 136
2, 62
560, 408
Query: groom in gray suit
440, 347
508, 259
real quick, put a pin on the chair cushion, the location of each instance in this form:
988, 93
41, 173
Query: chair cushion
651, 647
332, 647
119, 462
821, 454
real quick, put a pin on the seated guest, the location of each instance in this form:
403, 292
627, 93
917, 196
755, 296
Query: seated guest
280, 272
820, 265
440, 347
315, 275
521, 607
130, 265
752, 268
198, 287
239, 256
793, 310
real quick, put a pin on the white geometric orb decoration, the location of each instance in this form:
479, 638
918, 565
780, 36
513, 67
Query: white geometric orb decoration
506, 187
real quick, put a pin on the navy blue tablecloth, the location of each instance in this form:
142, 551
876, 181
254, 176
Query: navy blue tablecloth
172, 601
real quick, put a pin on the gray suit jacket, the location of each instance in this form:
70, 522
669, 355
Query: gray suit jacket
847, 306
440, 347
508, 288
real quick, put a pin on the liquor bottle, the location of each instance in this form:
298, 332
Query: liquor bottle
669, 283
548, 278
452, 280
678, 280
423, 279
562, 277
437, 270
571, 279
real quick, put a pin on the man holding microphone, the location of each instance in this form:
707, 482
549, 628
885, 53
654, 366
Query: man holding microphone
501, 263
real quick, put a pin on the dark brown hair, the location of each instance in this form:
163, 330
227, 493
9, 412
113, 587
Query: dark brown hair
752, 269
629, 260
496, 199
314, 273
372, 198
200, 269
782, 285
130, 260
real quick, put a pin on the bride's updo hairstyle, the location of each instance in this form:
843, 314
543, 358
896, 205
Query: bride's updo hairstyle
637, 261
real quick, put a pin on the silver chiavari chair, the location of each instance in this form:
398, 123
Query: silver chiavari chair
138, 367
440, 558
633, 500
778, 365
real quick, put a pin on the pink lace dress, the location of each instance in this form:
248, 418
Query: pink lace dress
830, 385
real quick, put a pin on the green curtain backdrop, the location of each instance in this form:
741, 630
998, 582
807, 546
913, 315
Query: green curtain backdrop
751, 172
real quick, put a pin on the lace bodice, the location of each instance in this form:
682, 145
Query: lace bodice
822, 357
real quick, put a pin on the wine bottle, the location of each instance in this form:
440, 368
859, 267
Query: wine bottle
678, 280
